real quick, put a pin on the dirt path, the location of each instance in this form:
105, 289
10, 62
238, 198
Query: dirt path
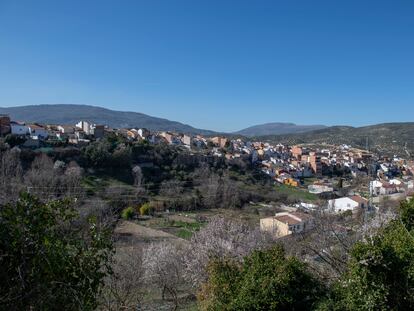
128, 233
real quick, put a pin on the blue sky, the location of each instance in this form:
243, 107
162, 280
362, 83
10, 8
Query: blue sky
221, 65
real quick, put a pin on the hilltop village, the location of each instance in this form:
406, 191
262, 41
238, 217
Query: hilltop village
344, 179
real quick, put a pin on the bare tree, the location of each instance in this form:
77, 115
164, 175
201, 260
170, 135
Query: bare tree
327, 247
163, 265
71, 180
220, 238
48, 180
138, 176
125, 288
11, 173
171, 188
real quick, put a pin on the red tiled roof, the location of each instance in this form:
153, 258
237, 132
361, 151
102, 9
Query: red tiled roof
287, 219
302, 216
35, 126
359, 199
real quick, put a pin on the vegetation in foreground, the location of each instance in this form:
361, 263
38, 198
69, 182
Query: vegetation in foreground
379, 276
56, 253
52, 256
49, 258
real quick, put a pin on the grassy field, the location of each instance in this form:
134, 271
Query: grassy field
296, 193
181, 226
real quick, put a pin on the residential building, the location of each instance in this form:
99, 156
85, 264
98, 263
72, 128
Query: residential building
353, 204
283, 224
296, 152
37, 131
18, 128
144, 133
219, 141
98, 130
66, 129
186, 140
315, 163
85, 126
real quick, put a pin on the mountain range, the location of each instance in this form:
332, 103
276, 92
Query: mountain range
388, 138
71, 114
277, 128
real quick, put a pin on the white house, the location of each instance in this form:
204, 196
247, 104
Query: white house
85, 126
37, 131
19, 128
144, 133
353, 204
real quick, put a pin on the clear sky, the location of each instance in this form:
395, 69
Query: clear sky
221, 65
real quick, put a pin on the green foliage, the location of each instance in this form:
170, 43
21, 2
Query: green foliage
128, 213
110, 152
14, 140
407, 214
46, 263
184, 234
98, 154
267, 280
146, 209
294, 193
381, 270
221, 288
193, 226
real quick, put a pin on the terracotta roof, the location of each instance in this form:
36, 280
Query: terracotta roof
35, 126
302, 216
359, 199
388, 185
287, 219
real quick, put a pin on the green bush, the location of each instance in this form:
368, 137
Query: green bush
266, 280
45, 262
146, 209
128, 213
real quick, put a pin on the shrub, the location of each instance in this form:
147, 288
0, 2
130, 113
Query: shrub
46, 263
128, 213
266, 280
146, 209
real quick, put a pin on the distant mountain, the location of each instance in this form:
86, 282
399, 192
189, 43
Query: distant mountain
71, 114
387, 138
277, 129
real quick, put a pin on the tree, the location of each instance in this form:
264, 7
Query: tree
47, 179
11, 173
171, 188
14, 140
46, 262
266, 280
98, 154
220, 238
138, 176
125, 287
163, 266
380, 272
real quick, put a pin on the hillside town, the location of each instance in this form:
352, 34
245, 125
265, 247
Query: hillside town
345, 179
